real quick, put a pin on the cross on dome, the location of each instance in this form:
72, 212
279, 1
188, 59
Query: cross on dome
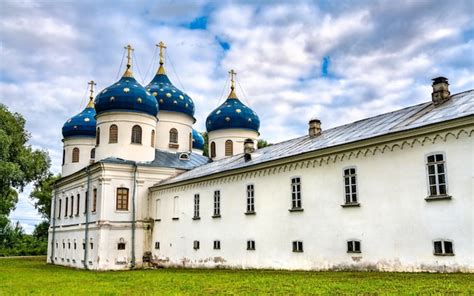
162, 46
91, 97
128, 72
232, 94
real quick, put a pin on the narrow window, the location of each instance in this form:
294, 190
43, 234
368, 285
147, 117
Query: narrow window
176, 207
158, 209
121, 246
353, 246
196, 206
75, 154
190, 141
350, 186
297, 246
217, 245
229, 148
69, 245
86, 201
75, 246
93, 153
94, 200
196, 245
217, 203
296, 193
59, 209
113, 134
78, 204
174, 136
443, 248
83, 246
136, 134
157, 245
250, 199
65, 206
122, 199
213, 149
72, 207
436, 168
250, 245
64, 156
153, 138
92, 246
97, 137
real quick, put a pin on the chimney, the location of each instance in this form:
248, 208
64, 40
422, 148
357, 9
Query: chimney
440, 92
249, 147
314, 127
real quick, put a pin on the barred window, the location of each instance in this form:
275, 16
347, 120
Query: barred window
174, 136
350, 185
436, 168
353, 246
443, 248
296, 193
213, 149
122, 199
297, 246
136, 134
196, 205
97, 137
113, 134
217, 245
217, 203
250, 199
75, 154
250, 245
153, 138
229, 148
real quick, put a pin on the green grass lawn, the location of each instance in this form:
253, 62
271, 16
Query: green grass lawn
34, 276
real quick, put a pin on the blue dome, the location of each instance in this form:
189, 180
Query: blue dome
232, 114
198, 140
169, 97
82, 124
126, 95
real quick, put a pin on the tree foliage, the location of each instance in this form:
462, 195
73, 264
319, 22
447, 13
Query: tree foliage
42, 195
263, 143
20, 164
206, 144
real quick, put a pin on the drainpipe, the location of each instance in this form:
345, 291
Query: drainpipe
53, 245
133, 211
86, 229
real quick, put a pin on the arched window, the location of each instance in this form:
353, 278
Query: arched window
213, 149
92, 153
173, 136
153, 138
229, 148
190, 142
136, 134
113, 134
75, 154
97, 137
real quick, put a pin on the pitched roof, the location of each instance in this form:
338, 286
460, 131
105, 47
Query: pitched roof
459, 105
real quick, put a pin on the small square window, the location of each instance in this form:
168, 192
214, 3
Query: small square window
157, 245
443, 248
297, 246
251, 245
217, 245
121, 246
196, 245
353, 246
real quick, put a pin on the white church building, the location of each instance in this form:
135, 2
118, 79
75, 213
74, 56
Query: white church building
392, 192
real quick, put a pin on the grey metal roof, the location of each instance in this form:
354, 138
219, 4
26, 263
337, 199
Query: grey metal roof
459, 105
167, 160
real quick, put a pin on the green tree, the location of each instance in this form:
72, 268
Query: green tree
206, 144
19, 163
42, 195
263, 143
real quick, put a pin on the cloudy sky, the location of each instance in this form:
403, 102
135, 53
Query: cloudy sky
338, 61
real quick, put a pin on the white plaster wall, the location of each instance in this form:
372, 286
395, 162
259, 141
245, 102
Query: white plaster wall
181, 122
395, 224
124, 148
238, 136
85, 145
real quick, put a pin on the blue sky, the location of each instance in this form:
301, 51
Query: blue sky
339, 61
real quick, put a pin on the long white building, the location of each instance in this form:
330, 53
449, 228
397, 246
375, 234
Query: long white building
392, 192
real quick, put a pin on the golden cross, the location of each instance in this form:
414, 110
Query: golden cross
232, 74
162, 46
129, 55
92, 83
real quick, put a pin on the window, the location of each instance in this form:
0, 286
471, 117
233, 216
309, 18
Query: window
173, 136
86, 201
190, 141
136, 134
217, 203
251, 245
196, 245
158, 209
69, 245
93, 153
92, 246
83, 246
296, 193
176, 208
217, 245
113, 134
443, 248
196, 206
213, 149
75, 245
64, 156
97, 137
435, 165
72, 207
78, 204
59, 209
353, 246
350, 186
65, 206
75, 154
297, 246
229, 149
94, 200
152, 138
122, 199
157, 245
121, 246
250, 199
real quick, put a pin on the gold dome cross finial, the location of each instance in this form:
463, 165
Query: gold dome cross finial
91, 97
162, 46
128, 72
232, 94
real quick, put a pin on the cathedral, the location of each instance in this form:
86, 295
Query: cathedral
393, 192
